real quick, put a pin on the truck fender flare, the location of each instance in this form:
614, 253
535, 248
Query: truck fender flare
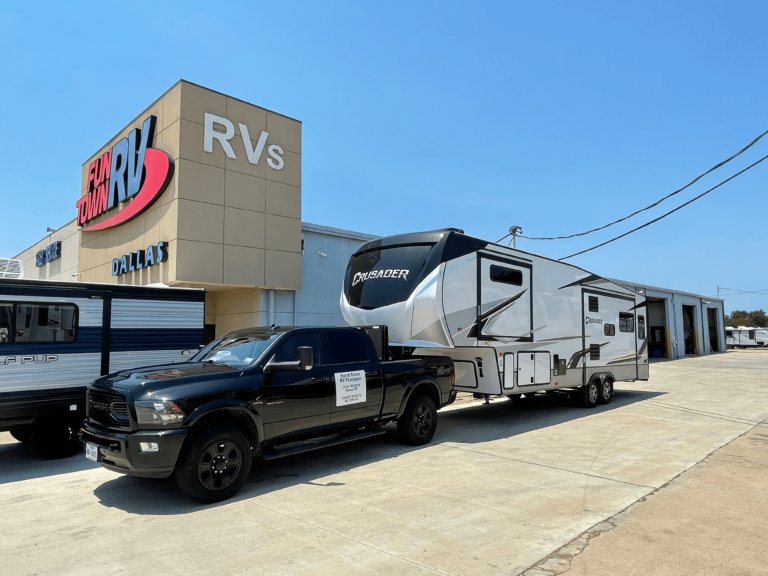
415, 384
227, 404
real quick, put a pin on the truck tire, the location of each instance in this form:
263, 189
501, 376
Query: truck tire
22, 434
55, 437
215, 465
606, 391
418, 423
589, 394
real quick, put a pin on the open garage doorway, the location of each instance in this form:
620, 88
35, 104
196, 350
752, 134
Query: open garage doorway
690, 336
714, 344
657, 328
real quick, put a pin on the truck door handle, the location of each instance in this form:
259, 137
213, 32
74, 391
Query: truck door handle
320, 380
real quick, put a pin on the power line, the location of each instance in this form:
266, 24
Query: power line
691, 183
668, 213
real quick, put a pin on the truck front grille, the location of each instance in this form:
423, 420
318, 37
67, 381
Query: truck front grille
108, 408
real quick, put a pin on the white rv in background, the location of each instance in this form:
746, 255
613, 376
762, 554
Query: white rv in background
741, 337
514, 323
761, 335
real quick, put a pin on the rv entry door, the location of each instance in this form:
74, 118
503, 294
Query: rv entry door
505, 302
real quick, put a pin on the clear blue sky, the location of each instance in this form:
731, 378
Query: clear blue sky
555, 116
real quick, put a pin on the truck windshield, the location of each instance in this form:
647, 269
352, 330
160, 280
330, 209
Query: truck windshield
238, 350
386, 276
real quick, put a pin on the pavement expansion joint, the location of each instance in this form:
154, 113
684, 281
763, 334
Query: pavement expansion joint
393, 555
727, 418
553, 467
559, 561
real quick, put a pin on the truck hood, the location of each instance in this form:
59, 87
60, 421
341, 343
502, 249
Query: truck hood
151, 379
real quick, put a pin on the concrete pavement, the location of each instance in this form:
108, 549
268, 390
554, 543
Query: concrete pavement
499, 489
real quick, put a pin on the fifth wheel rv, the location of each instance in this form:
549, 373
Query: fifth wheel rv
514, 323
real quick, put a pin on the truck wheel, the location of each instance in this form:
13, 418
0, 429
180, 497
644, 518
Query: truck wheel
53, 438
418, 423
606, 391
215, 465
590, 394
22, 434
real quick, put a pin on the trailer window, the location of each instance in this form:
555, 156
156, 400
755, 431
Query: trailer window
45, 323
506, 276
6, 327
626, 322
383, 277
729, 333
593, 307
609, 329
751, 334
641, 327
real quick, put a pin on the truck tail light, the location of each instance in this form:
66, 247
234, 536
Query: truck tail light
453, 376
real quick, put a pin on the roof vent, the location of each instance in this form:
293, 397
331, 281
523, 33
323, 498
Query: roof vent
11, 268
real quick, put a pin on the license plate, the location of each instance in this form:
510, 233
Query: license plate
91, 451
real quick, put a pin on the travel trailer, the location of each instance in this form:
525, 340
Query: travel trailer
57, 337
761, 335
514, 323
741, 337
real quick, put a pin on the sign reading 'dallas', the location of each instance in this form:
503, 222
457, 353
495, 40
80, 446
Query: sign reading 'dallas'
48, 254
350, 387
130, 172
154, 254
254, 153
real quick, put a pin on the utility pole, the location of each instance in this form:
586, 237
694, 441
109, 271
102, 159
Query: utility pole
515, 230
718, 292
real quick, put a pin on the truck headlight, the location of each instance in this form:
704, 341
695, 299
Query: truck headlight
158, 412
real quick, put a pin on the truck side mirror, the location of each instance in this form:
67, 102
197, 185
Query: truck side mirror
305, 357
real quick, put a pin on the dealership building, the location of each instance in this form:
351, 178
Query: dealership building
217, 206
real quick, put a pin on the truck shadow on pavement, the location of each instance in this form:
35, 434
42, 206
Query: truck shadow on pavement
18, 463
471, 423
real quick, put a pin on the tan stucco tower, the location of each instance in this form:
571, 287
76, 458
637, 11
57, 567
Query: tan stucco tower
229, 218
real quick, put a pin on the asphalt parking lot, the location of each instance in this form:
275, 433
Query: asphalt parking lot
499, 489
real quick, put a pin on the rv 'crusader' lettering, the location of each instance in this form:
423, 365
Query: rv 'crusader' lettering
389, 273
140, 259
130, 172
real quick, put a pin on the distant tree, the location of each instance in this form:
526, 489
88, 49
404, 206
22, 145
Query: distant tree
756, 318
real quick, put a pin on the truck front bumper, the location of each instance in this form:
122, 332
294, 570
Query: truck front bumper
121, 451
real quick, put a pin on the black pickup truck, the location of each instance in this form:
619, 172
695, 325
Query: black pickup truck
271, 392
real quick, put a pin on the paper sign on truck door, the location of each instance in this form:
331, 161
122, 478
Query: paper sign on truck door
350, 387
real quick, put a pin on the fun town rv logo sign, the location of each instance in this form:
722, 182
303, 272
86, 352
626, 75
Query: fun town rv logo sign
130, 172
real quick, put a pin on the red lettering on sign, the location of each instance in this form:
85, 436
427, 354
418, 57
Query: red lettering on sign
91, 177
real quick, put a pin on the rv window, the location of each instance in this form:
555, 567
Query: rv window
346, 347
383, 277
751, 334
729, 333
506, 276
641, 327
45, 323
610, 329
6, 328
626, 322
593, 307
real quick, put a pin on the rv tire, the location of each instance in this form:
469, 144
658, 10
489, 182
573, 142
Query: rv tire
22, 434
418, 423
590, 394
54, 438
606, 391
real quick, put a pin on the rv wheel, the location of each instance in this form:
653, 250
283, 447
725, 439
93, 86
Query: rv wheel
54, 438
606, 391
590, 394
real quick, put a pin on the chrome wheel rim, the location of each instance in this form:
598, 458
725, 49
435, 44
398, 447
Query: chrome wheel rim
606, 390
219, 465
593, 393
